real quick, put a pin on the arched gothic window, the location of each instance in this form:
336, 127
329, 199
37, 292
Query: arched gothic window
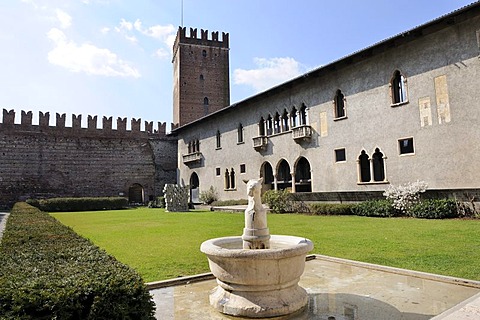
378, 166
303, 115
364, 167
232, 178
372, 169
269, 125
227, 179
285, 124
240, 133
219, 139
261, 127
276, 123
293, 117
399, 88
339, 102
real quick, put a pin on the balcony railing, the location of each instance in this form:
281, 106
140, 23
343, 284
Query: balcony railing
260, 142
192, 157
302, 132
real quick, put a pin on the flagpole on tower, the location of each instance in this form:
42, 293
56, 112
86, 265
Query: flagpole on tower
182, 15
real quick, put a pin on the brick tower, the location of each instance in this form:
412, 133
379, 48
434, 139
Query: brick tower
201, 83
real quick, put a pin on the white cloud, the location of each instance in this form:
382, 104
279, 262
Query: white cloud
270, 72
159, 32
64, 18
87, 58
161, 53
105, 30
162, 33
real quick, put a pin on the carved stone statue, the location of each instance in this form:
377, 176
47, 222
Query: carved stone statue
256, 234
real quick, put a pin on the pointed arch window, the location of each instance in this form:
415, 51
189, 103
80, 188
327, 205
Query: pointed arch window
240, 133
364, 167
219, 140
285, 121
293, 117
269, 125
232, 178
261, 127
303, 115
372, 170
276, 123
339, 103
398, 86
378, 166
227, 179
205, 106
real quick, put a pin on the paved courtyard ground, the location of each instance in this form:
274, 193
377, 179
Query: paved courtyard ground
342, 290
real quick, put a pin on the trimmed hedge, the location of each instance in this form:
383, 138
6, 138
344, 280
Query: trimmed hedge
334, 209
435, 209
47, 271
224, 203
79, 204
375, 208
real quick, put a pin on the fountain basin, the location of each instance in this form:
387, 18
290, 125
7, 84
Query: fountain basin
257, 283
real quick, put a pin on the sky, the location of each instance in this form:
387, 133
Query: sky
114, 57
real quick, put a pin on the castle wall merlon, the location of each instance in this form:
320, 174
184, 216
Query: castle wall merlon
76, 121
60, 121
26, 119
135, 124
149, 126
107, 123
44, 119
92, 122
121, 124
8, 116
26, 123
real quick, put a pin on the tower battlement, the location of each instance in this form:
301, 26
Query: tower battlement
192, 38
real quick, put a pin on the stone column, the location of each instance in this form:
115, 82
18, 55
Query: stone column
275, 183
293, 181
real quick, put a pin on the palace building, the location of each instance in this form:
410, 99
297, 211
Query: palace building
404, 109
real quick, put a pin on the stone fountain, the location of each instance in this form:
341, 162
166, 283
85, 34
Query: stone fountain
257, 273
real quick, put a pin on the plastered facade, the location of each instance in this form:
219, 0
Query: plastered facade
440, 66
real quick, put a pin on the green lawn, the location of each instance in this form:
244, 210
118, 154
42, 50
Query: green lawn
162, 245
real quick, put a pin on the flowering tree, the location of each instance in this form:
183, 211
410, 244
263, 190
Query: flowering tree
406, 195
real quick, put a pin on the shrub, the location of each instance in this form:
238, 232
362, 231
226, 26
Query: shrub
375, 208
331, 208
49, 272
159, 202
79, 204
435, 209
209, 196
405, 196
279, 201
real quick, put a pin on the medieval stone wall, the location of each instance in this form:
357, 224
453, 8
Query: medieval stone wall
57, 161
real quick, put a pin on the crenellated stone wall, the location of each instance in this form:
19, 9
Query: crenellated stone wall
57, 161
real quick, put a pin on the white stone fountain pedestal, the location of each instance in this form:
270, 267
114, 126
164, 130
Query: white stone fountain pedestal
257, 283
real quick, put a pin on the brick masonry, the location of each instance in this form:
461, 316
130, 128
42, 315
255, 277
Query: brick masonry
57, 161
